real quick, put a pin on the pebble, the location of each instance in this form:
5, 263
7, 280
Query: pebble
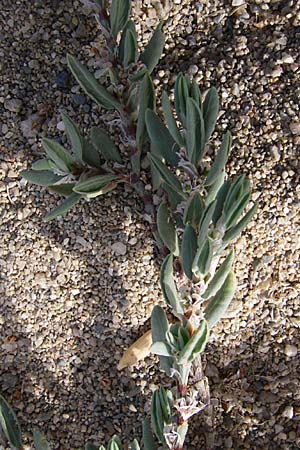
288, 412
238, 2
13, 105
61, 126
290, 350
119, 248
295, 127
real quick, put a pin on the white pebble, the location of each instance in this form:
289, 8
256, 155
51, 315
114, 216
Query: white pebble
61, 126
119, 248
290, 350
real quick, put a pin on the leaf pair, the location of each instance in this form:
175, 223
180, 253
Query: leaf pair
160, 412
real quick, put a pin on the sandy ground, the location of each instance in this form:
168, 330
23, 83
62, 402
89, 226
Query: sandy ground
70, 304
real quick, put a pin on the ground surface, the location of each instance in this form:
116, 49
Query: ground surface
69, 305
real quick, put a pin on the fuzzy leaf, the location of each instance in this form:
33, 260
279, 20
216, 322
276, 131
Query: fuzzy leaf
130, 49
166, 228
154, 49
42, 164
161, 348
129, 26
135, 445
90, 446
195, 132
59, 155
64, 189
74, 136
157, 419
163, 144
181, 93
233, 232
234, 194
168, 285
220, 160
165, 404
188, 250
170, 120
234, 214
194, 210
10, 424
220, 276
214, 188
174, 197
105, 145
205, 258
210, 111
196, 344
218, 305
90, 155
195, 94
90, 85
167, 176
119, 15
146, 101
40, 441
63, 207
41, 177
220, 200
159, 327
148, 438
94, 184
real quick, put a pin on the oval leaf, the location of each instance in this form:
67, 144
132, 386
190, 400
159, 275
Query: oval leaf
218, 305
74, 136
94, 184
170, 120
41, 177
196, 344
220, 276
168, 285
210, 111
188, 250
220, 160
154, 49
105, 145
146, 101
130, 49
63, 207
195, 132
59, 155
138, 351
167, 176
166, 228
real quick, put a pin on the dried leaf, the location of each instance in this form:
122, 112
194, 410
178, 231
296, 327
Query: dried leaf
138, 351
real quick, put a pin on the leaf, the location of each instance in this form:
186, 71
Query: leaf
165, 405
195, 94
220, 276
157, 420
205, 258
148, 438
195, 132
105, 145
119, 15
135, 445
154, 49
234, 193
114, 443
64, 189
90, 85
63, 207
168, 285
94, 184
181, 95
194, 210
233, 232
220, 200
166, 228
42, 164
195, 345
218, 305
74, 136
220, 160
159, 327
210, 111
160, 348
214, 188
59, 155
234, 214
40, 441
163, 144
171, 122
41, 177
138, 351
129, 26
130, 49
188, 250
90, 155
146, 101
10, 424
165, 173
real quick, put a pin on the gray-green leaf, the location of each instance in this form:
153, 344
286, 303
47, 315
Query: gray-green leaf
59, 155
196, 344
168, 285
105, 145
10, 424
194, 210
220, 276
195, 132
210, 111
41, 177
233, 232
130, 49
90, 155
119, 15
188, 250
167, 176
63, 207
181, 94
91, 86
161, 348
146, 101
154, 49
218, 305
220, 160
170, 120
166, 228
74, 136
148, 438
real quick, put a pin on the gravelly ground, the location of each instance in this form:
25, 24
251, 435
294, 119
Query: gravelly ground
69, 305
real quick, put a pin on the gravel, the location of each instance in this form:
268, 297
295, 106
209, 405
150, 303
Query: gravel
76, 292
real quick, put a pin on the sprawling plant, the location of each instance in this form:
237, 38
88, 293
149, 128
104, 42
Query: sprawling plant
201, 210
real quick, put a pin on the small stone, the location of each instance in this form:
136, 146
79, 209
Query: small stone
132, 241
295, 127
237, 2
62, 79
119, 248
288, 412
13, 105
290, 350
78, 99
61, 126
132, 408
275, 153
287, 59
276, 72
